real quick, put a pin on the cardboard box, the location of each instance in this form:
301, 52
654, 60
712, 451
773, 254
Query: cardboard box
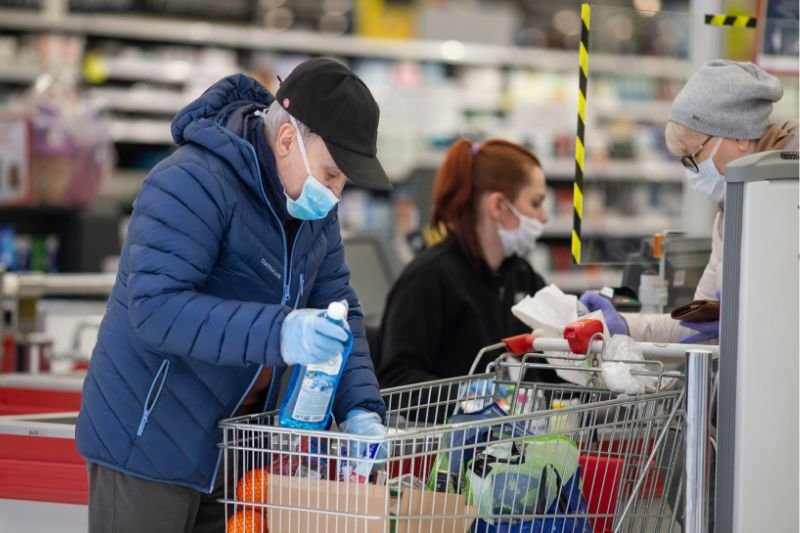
321, 506
425, 511
330, 506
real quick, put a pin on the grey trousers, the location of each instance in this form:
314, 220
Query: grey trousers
119, 503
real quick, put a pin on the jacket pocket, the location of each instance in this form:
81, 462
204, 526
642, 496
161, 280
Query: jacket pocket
150, 401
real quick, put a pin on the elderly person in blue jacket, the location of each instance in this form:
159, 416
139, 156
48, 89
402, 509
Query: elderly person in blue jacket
232, 252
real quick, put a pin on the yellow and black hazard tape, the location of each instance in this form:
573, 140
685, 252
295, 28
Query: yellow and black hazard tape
735, 21
580, 152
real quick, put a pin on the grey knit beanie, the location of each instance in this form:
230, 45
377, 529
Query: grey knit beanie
727, 99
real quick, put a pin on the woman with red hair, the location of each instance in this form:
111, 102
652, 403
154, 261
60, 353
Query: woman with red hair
455, 297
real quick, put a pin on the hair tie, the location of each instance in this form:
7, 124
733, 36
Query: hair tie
475, 148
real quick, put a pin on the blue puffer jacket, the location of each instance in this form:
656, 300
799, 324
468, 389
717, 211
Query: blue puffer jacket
205, 280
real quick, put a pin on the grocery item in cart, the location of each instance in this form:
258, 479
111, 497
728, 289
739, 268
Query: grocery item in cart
357, 461
447, 468
309, 399
529, 476
254, 486
247, 521
304, 458
458, 446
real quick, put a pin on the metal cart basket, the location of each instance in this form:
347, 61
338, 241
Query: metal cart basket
558, 457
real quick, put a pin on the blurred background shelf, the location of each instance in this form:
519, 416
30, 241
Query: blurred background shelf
252, 38
439, 70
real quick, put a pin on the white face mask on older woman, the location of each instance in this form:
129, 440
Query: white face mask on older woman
522, 240
708, 181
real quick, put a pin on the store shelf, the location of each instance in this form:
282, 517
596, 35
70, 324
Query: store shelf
23, 74
138, 101
563, 169
613, 226
651, 171
160, 71
142, 131
124, 184
38, 285
252, 38
637, 111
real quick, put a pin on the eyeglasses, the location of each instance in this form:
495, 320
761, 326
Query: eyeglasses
688, 160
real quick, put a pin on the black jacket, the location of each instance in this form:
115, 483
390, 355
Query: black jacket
443, 309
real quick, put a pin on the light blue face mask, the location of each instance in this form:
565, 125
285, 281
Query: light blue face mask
315, 200
707, 180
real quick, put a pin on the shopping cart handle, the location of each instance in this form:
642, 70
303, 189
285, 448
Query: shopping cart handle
579, 333
519, 344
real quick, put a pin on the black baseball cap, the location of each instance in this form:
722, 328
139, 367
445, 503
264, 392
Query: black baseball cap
335, 104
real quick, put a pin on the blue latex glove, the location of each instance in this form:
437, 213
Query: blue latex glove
308, 337
706, 331
594, 302
364, 424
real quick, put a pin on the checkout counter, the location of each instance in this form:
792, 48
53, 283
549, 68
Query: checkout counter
43, 479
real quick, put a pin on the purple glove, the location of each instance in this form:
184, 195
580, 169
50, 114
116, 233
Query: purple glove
706, 331
594, 302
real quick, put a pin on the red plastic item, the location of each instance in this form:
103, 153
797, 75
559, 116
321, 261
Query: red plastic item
579, 333
601, 481
520, 344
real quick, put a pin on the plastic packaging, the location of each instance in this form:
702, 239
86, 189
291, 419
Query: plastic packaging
309, 399
357, 461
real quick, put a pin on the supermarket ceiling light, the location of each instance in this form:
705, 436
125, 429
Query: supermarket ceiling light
648, 8
453, 50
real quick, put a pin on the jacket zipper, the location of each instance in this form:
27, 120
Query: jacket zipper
161, 379
291, 260
300, 290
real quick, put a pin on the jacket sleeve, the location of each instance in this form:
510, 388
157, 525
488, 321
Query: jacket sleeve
411, 330
175, 235
358, 387
663, 328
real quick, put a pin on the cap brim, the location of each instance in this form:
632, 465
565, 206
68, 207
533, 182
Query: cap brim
363, 170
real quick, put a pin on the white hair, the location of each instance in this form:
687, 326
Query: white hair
682, 140
276, 116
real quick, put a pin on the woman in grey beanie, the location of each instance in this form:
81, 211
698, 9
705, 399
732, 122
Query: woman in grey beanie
721, 114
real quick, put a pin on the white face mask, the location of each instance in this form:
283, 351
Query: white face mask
707, 180
522, 240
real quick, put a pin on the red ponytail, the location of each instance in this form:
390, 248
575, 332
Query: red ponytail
469, 170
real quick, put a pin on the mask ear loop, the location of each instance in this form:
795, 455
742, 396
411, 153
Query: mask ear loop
714, 150
301, 145
514, 210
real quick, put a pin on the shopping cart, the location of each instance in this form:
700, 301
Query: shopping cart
564, 457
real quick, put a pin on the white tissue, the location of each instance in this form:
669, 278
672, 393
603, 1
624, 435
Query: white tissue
547, 313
